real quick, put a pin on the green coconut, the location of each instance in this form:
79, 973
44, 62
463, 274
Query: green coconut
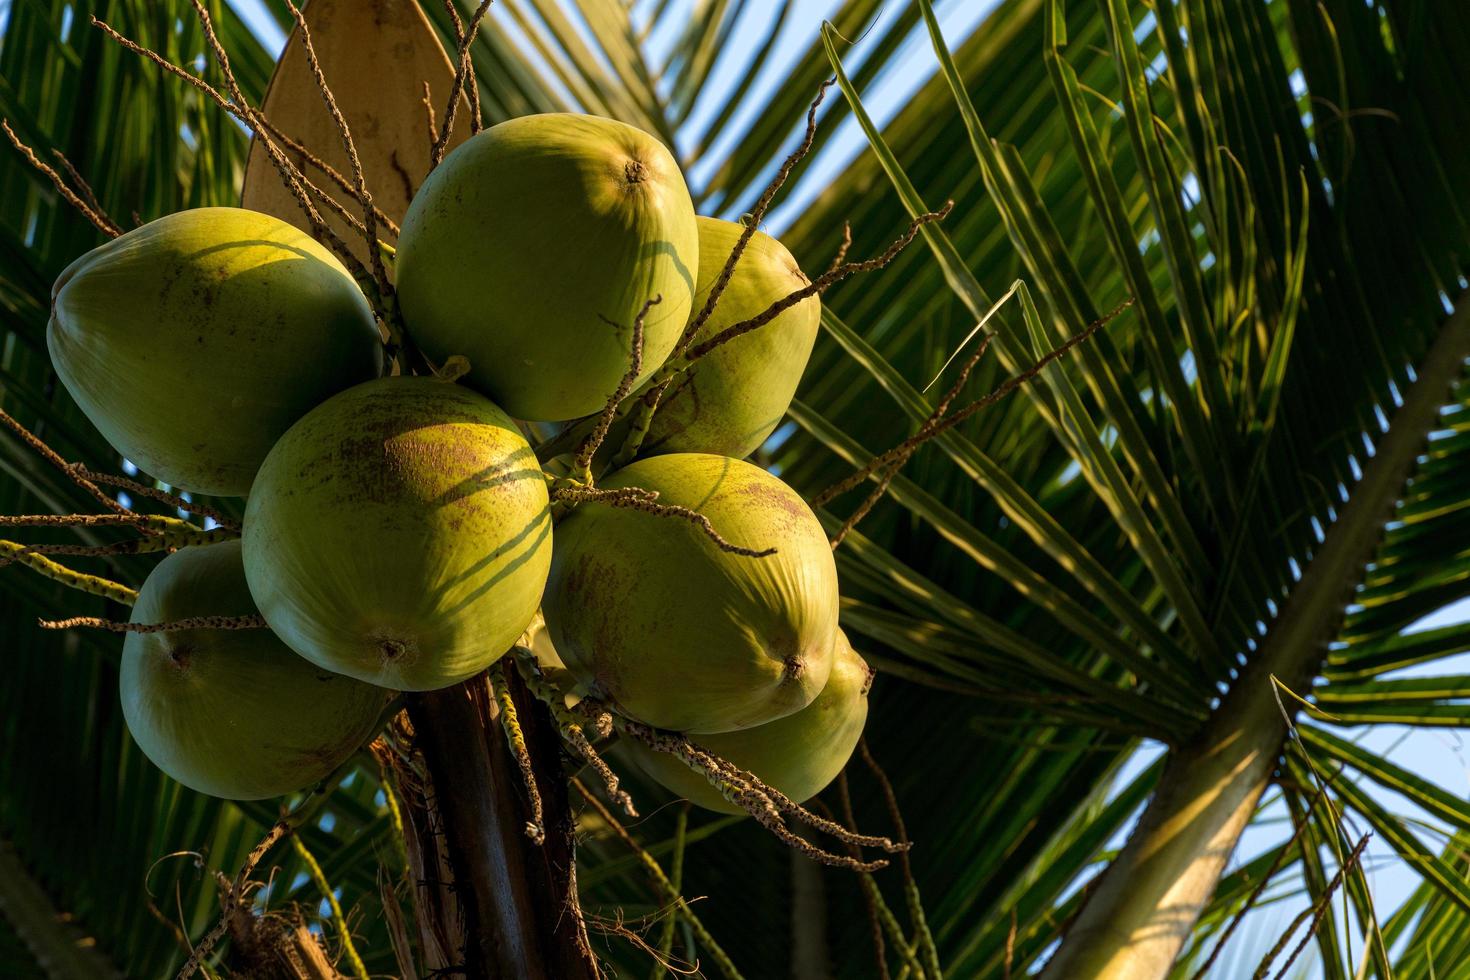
737, 394
233, 713
652, 615
399, 533
798, 755
194, 341
530, 251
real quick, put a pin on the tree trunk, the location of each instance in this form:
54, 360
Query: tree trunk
492, 903
1144, 908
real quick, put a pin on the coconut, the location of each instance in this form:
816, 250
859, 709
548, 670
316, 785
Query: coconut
194, 341
530, 251
233, 713
798, 755
399, 533
652, 615
737, 394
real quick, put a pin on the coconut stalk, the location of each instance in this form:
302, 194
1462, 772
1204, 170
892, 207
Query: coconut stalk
511, 903
1144, 907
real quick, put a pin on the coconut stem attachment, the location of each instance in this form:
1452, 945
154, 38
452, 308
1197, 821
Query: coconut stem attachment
85, 203
178, 625
646, 501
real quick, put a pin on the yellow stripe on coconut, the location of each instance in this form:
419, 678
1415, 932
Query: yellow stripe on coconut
798, 755
530, 251
400, 534
652, 615
233, 713
737, 394
193, 342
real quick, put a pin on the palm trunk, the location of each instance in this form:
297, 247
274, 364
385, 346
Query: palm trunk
491, 902
1144, 908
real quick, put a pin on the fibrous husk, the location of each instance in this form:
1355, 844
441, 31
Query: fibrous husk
400, 533
233, 713
530, 251
655, 617
737, 394
798, 755
194, 341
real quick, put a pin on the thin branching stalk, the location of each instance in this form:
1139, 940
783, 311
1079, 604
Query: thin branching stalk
178, 625
88, 208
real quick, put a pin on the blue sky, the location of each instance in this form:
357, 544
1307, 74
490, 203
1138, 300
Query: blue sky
1437, 754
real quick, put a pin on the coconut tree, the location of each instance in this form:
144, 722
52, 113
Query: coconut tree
1201, 289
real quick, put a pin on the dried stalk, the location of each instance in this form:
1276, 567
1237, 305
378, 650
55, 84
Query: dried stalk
178, 625
463, 73
92, 212
933, 428
645, 501
594, 440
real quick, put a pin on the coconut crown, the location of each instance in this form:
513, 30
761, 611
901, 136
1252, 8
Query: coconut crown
576, 221
797, 755
400, 533
193, 342
651, 614
232, 713
737, 394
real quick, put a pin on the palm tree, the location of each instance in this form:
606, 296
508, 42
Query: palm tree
1211, 526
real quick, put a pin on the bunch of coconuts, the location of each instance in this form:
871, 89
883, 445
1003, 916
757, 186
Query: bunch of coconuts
398, 533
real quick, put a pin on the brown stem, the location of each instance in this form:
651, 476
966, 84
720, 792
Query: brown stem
594, 439
359, 179
178, 625
646, 501
752, 222
75, 472
96, 215
463, 74
517, 900
935, 425
821, 283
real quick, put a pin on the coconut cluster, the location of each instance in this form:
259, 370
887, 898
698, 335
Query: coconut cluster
401, 532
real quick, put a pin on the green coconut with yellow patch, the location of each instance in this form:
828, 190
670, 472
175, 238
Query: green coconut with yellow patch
731, 399
400, 533
193, 342
532, 248
233, 713
653, 615
797, 755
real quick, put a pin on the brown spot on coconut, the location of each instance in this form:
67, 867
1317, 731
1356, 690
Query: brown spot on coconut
798, 755
677, 632
232, 713
414, 551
